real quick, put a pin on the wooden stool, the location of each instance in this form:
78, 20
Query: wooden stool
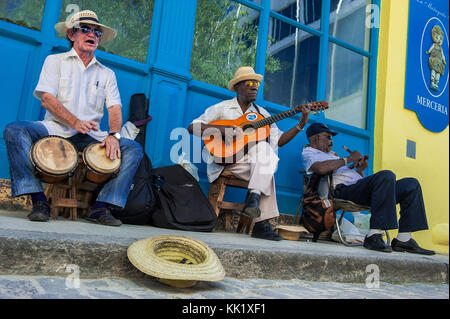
215, 197
75, 193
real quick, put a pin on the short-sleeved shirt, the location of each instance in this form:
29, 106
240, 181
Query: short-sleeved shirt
231, 110
82, 90
343, 175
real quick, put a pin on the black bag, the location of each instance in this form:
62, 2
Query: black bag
181, 203
318, 214
141, 199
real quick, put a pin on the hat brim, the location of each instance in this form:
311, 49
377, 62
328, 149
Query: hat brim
244, 77
108, 33
160, 257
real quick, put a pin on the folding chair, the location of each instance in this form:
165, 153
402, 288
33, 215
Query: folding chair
326, 190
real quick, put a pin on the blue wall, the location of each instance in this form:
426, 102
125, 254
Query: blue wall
175, 97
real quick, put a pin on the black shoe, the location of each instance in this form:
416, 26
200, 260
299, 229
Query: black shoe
102, 216
40, 212
376, 242
410, 246
263, 230
251, 208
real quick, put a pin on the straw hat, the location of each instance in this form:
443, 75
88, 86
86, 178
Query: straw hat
244, 73
178, 261
88, 17
291, 232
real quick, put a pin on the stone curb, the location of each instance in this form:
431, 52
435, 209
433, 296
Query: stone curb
47, 254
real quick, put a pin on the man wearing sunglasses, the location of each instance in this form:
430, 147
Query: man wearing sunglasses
380, 191
74, 87
260, 163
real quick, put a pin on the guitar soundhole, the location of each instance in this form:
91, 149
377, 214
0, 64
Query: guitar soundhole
248, 127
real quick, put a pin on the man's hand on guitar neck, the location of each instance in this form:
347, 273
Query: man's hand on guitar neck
289, 135
305, 109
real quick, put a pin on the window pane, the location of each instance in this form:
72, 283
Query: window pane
131, 19
348, 22
346, 86
291, 65
225, 39
26, 13
307, 12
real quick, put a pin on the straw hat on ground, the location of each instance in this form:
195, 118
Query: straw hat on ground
244, 73
178, 261
88, 17
291, 232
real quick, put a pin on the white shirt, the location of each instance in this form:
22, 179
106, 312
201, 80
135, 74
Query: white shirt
82, 90
231, 110
343, 175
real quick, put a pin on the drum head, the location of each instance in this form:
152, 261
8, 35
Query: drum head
54, 155
95, 157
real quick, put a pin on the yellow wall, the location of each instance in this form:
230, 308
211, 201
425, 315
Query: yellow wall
394, 125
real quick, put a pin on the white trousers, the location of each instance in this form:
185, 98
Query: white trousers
258, 167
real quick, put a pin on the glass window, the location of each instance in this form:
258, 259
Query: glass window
225, 38
133, 29
291, 65
346, 86
307, 12
26, 13
348, 22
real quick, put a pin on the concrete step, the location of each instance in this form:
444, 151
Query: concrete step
45, 249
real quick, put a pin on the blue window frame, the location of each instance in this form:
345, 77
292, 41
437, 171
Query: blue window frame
336, 53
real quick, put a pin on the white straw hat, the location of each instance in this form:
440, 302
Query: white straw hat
88, 17
244, 73
178, 261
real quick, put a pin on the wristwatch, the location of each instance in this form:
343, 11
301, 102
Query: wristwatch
298, 128
345, 160
116, 135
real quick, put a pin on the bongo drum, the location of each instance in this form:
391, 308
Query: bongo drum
54, 158
100, 167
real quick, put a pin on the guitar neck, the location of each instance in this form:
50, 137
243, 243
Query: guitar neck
275, 118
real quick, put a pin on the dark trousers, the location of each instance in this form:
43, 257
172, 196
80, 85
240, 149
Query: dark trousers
381, 191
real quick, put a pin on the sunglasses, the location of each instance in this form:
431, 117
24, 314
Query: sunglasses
250, 84
326, 135
86, 30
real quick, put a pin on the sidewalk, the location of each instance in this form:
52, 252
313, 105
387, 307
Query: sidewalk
41, 249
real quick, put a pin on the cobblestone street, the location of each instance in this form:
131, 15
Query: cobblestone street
38, 287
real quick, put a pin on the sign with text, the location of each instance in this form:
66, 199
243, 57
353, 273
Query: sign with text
427, 76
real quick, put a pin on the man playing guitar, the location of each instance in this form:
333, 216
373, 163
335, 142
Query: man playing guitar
259, 162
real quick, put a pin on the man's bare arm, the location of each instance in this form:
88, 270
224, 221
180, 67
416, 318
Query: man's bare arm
59, 111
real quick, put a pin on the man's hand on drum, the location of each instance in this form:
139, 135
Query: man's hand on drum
112, 147
85, 126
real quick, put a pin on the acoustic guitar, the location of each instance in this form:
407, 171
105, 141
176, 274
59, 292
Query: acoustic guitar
255, 128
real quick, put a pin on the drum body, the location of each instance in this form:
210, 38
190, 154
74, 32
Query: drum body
54, 158
100, 168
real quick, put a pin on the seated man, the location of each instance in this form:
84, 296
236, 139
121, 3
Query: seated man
74, 87
381, 191
259, 164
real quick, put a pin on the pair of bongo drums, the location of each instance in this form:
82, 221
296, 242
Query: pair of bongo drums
55, 159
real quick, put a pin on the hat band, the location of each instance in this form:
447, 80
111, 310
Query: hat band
82, 19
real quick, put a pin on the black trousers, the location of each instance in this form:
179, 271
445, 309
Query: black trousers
381, 191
